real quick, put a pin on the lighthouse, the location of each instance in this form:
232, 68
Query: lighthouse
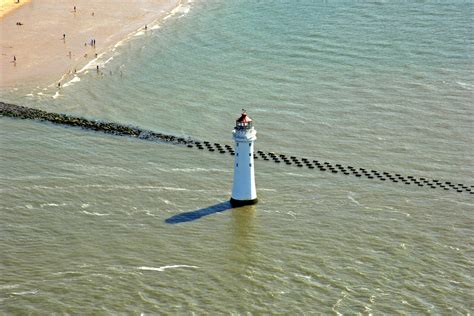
244, 191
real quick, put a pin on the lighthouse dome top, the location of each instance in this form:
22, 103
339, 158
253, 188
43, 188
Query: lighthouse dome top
244, 121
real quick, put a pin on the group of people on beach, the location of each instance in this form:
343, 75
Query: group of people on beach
91, 42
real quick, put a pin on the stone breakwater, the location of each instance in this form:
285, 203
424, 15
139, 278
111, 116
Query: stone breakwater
21, 112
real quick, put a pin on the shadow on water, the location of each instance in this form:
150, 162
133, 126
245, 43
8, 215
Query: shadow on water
194, 215
243, 228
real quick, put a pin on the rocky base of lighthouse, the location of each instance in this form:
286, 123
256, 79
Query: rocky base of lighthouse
237, 203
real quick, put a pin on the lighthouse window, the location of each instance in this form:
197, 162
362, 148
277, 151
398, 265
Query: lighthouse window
250, 154
250, 144
250, 165
237, 144
237, 164
237, 154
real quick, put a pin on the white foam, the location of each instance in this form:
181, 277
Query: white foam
66, 272
140, 33
119, 43
167, 202
190, 170
95, 213
155, 27
32, 292
182, 9
307, 277
265, 189
90, 65
48, 204
163, 268
147, 212
185, 10
56, 95
72, 81
96, 62
108, 60
169, 188
353, 200
9, 286
465, 85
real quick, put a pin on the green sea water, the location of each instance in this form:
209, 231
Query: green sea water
380, 85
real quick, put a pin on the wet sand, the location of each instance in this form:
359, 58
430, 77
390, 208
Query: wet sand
7, 6
54, 40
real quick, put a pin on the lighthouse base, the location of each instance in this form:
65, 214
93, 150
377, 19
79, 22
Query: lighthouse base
237, 203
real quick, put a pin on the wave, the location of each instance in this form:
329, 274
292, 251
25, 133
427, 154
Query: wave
182, 9
52, 204
9, 286
30, 292
163, 268
465, 85
72, 81
95, 213
190, 170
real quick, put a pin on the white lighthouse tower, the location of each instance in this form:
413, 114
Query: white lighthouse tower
244, 191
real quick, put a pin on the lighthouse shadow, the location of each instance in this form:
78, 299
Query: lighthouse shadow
194, 215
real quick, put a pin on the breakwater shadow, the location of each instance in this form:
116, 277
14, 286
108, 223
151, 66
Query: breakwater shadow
194, 215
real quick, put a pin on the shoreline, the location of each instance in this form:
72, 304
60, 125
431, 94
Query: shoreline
8, 6
43, 53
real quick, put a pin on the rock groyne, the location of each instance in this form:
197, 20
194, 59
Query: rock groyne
21, 112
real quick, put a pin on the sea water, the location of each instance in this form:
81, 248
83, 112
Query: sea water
87, 219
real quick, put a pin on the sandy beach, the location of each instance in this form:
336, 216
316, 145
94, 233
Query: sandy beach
43, 42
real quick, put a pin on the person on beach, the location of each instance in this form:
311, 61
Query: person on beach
97, 68
146, 27
14, 59
74, 9
64, 37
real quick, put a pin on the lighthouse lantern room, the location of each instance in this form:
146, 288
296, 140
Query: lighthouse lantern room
244, 191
